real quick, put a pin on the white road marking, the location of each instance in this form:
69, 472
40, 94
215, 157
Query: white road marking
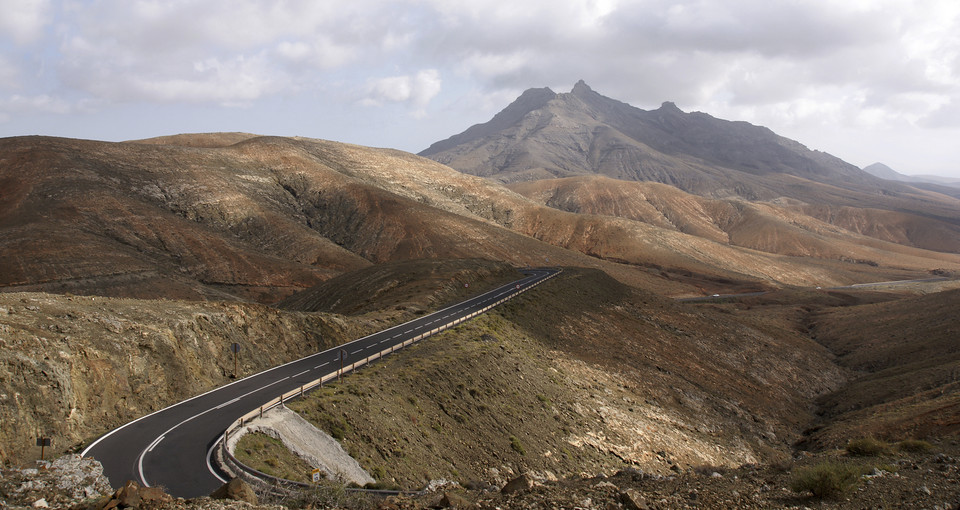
171, 429
225, 404
321, 365
155, 443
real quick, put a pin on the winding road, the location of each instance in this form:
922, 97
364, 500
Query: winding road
173, 447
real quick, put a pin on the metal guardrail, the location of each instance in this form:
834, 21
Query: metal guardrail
242, 469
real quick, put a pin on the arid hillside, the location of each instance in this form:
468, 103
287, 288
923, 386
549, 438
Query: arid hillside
906, 365
779, 227
584, 374
242, 217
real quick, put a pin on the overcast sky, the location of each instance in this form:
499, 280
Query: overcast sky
865, 80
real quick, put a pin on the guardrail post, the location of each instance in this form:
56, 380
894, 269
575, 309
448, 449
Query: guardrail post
261, 411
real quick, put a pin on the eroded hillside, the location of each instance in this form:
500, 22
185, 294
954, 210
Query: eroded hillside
582, 375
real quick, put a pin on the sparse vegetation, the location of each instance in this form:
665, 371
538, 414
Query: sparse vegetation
828, 479
516, 446
867, 447
914, 446
269, 455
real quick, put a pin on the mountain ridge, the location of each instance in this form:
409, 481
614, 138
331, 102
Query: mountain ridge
667, 131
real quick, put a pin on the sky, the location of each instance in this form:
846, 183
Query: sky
865, 80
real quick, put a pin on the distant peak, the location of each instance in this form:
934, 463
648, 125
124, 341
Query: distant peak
670, 106
580, 88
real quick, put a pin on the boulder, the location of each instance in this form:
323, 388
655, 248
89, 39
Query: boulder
632, 500
520, 483
451, 500
236, 490
152, 495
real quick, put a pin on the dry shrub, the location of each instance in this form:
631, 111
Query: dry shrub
914, 446
828, 479
867, 447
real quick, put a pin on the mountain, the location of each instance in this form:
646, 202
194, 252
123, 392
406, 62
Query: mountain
885, 172
546, 135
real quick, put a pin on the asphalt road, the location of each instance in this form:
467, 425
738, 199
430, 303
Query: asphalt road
172, 447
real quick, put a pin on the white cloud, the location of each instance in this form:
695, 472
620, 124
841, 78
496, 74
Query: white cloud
23, 21
37, 103
414, 90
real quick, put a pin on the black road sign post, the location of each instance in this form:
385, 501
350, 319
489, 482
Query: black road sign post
235, 348
43, 442
343, 354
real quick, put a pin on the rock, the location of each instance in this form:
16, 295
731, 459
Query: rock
236, 490
41, 503
632, 500
520, 483
127, 496
451, 500
154, 495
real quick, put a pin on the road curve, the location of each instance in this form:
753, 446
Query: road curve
172, 447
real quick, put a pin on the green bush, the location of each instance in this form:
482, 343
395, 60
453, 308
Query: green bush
516, 446
867, 447
914, 446
828, 479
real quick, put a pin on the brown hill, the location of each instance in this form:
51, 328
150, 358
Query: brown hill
780, 227
187, 217
258, 219
548, 135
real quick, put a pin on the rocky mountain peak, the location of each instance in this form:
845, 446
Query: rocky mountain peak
581, 88
669, 106
601, 135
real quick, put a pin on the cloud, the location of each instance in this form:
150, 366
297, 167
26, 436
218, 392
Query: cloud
37, 103
23, 21
225, 52
9, 74
416, 90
